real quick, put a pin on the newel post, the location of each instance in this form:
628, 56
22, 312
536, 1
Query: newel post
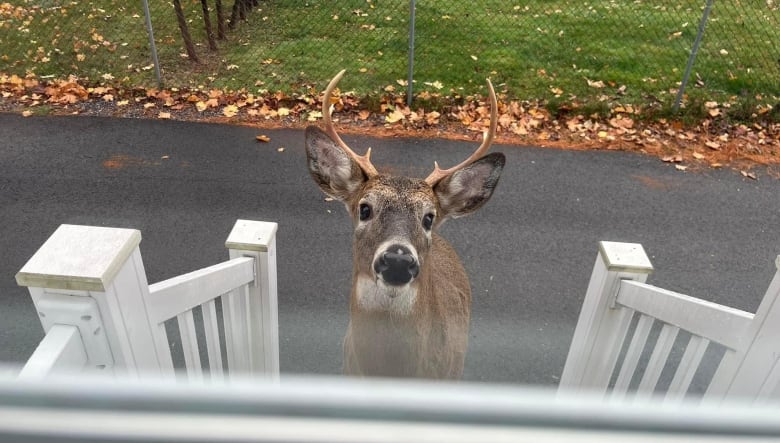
752, 371
601, 326
258, 240
93, 278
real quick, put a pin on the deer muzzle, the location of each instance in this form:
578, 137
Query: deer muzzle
396, 265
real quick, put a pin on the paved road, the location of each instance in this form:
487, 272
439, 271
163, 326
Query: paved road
529, 252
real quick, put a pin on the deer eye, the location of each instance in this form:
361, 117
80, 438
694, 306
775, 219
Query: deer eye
427, 221
365, 211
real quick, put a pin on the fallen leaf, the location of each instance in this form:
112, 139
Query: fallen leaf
279, 149
282, 112
230, 110
394, 117
680, 167
750, 175
698, 155
432, 118
164, 115
677, 158
595, 84
621, 122
263, 138
26, 113
715, 146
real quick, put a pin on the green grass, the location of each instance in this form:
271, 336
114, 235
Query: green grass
537, 50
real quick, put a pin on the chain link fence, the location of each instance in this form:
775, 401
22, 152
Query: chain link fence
544, 49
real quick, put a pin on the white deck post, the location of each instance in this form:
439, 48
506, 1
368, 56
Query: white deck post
93, 278
601, 327
752, 371
258, 240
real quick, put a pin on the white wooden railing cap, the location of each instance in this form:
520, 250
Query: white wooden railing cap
83, 258
250, 235
625, 257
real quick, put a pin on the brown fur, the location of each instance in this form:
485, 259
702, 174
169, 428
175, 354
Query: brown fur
431, 341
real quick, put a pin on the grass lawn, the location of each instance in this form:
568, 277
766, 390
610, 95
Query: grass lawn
589, 53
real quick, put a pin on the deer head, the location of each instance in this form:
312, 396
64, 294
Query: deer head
395, 217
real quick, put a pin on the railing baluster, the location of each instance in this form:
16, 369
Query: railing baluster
657, 361
211, 328
189, 344
235, 321
687, 368
628, 368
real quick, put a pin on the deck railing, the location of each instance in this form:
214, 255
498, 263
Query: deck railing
100, 315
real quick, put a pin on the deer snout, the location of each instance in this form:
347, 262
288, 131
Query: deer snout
397, 265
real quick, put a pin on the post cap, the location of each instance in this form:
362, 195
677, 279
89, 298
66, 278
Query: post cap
250, 235
85, 258
629, 257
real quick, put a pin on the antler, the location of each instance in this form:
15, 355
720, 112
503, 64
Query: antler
362, 160
487, 139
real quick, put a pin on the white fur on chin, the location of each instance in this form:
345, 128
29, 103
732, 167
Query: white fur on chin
376, 296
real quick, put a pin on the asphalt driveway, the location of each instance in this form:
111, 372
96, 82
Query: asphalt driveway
529, 252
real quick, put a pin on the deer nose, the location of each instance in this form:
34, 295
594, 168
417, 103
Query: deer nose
397, 265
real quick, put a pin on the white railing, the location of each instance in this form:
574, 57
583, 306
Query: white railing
89, 287
620, 310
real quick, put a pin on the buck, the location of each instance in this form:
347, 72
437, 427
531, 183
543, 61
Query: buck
410, 303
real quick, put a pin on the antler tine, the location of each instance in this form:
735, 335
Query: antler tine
362, 160
487, 139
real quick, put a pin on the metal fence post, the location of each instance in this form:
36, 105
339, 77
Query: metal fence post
152, 46
410, 77
692, 57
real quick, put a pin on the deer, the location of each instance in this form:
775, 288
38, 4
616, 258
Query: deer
410, 301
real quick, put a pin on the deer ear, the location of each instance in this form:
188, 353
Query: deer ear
467, 189
331, 168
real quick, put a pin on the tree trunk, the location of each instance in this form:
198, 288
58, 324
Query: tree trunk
238, 5
185, 32
246, 6
220, 19
207, 23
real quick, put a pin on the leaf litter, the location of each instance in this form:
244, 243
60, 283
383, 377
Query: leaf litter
713, 142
